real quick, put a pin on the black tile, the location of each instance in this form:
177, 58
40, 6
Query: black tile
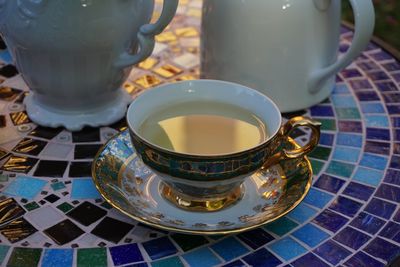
9, 210
119, 125
86, 151
87, 213
51, 168
21, 97
52, 198
29, 146
45, 132
86, 135
3, 122
8, 71
111, 229
19, 118
2, 44
17, 230
19, 164
8, 93
80, 169
64, 232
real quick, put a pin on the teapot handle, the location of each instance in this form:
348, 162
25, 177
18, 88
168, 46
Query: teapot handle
146, 36
364, 25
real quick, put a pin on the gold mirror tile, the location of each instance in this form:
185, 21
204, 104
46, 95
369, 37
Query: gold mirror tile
148, 63
187, 32
166, 37
168, 71
185, 78
194, 12
130, 88
19, 118
148, 81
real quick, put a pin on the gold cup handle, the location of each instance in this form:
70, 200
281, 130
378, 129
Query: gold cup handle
285, 131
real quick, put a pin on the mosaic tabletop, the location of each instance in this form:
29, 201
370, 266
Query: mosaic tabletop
52, 215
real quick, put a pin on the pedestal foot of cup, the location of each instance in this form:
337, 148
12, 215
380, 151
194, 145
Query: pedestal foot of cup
205, 204
76, 119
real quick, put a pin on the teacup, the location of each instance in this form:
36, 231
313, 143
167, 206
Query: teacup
198, 182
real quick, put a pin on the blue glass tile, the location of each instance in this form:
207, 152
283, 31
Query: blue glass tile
24, 187
361, 84
302, 213
159, 248
350, 126
281, 226
322, 111
359, 191
345, 139
378, 134
396, 122
392, 66
391, 97
368, 65
309, 260
395, 162
376, 121
3, 252
346, 154
388, 192
287, 248
326, 139
382, 249
168, 262
352, 238
393, 109
332, 252
381, 55
310, 235
380, 208
396, 76
367, 223
345, 206
343, 101
397, 134
386, 86
330, 220
350, 73
340, 89
126, 254
391, 230
256, 238
229, 248
6, 56
142, 264
57, 258
374, 161
201, 258
376, 147
367, 96
340, 168
378, 75
368, 176
84, 189
392, 177
317, 198
369, 108
237, 263
329, 183
360, 259
262, 257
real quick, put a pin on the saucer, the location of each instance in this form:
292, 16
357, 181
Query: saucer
132, 188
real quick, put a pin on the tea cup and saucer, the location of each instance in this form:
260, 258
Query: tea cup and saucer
205, 193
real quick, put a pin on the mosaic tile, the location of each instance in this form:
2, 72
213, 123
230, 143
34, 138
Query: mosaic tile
316, 166
44, 217
367, 96
317, 198
368, 176
327, 124
31, 206
358, 191
345, 206
392, 177
57, 186
8, 93
321, 111
3, 121
367, 223
86, 135
376, 147
92, 257
45, 132
360, 84
24, 257
348, 113
330, 220
159, 248
19, 118
17, 230
343, 101
325, 139
86, 151
112, 229
64, 232
388, 192
148, 81
9, 210
378, 134
386, 86
369, 108
378, 75
189, 242
8, 71
3, 252
52, 198
352, 140
320, 153
29, 146
391, 66
148, 63
80, 169
287, 248
340, 89
329, 183
170, 262
19, 164
367, 66
262, 257
87, 213
256, 238
346, 154
26, 187
309, 260
340, 168
229, 248
393, 109
281, 226
201, 258
332, 252
391, 97
51, 168
395, 162
302, 213
391, 231
168, 71
360, 259
126, 254
57, 258
374, 161
310, 235
351, 238
84, 189
350, 126
380, 208
382, 249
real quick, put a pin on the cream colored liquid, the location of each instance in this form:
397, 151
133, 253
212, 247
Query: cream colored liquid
204, 128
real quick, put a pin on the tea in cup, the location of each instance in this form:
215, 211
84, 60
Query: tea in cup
205, 137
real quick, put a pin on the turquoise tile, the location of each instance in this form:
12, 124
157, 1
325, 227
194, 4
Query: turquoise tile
343, 101
302, 213
340, 168
345, 139
229, 248
3, 252
374, 161
281, 226
348, 113
376, 121
57, 258
346, 154
317, 198
58, 186
369, 108
368, 176
170, 262
6, 56
310, 235
84, 189
25, 187
340, 89
287, 248
201, 258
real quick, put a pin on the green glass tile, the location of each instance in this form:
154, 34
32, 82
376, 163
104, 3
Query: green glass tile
327, 125
58, 186
348, 113
106, 205
171, 262
24, 257
281, 226
3, 253
92, 257
188, 242
31, 206
3, 178
321, 153
65, 207
340, 168
317, 166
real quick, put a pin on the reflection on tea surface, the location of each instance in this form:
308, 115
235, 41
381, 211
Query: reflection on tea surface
204, 128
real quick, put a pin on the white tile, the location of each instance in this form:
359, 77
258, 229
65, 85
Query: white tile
44, 217
54, 150
187, 60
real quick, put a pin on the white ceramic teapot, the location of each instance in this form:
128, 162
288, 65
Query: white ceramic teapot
287, 49
75, 54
